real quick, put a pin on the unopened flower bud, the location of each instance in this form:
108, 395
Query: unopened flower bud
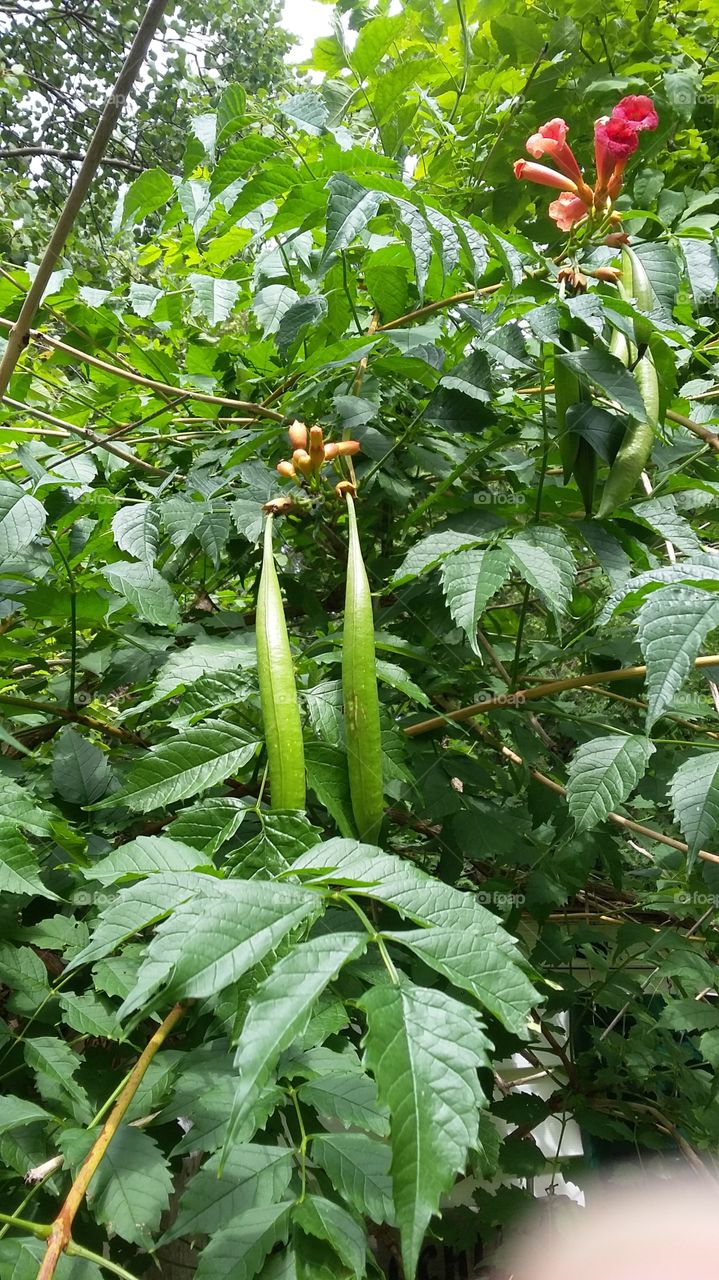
286, 469
609, 274
344, 487
302, 462
616, 239
341, 449
278, 506
298, 435
317, 447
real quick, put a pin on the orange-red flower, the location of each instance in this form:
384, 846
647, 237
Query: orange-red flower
310, 453
615, 140
567, 210
541, 173
550, 140
637, 111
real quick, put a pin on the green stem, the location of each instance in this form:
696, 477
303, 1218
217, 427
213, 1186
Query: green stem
466, 49
21, 1036
519, 100
461, 468
350, 299
400, 440
109, 1101
302, 1148
373, 934
39, 1229
537, 513
520, 636
79, 1251
36, 1186
72, 585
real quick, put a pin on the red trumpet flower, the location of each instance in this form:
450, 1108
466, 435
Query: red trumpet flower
550, 140
541, 173
615, 140
637, 111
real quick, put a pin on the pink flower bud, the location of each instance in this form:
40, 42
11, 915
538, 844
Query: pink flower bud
526, 171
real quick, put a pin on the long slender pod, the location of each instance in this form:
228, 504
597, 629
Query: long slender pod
278, 692
636, 446
567, 392
361, 701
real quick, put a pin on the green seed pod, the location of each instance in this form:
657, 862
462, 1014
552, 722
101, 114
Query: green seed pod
636, 284
278, 693
619, 347
359, 687
567, 392
640, 283
585, 472
637, 444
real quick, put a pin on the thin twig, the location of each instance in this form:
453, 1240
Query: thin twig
77, 717
504, 675
617, 818
70, 428
60, 1234
702, 432
521, 696
467, 296
10, 153
130, 375
114, 104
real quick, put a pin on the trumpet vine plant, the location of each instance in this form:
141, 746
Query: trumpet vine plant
359, 626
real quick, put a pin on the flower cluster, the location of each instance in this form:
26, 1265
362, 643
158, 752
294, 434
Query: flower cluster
616, 138
309, 452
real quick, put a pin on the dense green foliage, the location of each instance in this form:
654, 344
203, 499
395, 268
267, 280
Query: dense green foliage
360, 255
59, 60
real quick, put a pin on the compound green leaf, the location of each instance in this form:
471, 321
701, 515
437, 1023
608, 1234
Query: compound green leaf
602, 773
191, 762
424, 1049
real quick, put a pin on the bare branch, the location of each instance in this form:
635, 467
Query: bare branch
11, 153
113, 107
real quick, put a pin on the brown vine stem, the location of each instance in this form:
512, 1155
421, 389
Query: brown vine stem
617, 818
77, 717
663, 1122
702, 432
69, 428
59, 1236
667, 715
540, 691
114, 104
709, 437
129, 375
467, 296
